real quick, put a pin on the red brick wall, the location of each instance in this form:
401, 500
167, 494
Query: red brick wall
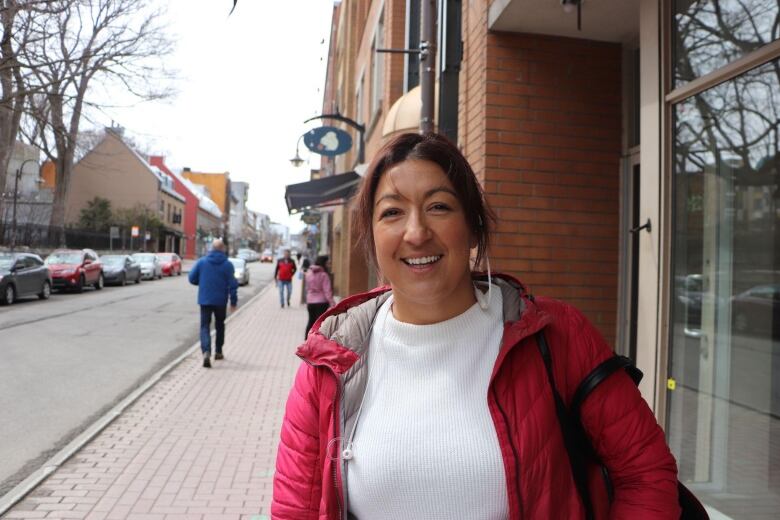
551, 123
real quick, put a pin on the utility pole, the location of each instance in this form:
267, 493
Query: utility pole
428, 66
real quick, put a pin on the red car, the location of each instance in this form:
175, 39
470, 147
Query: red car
75, 269
171, 264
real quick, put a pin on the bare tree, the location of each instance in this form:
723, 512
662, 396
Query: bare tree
119, 45
17, 33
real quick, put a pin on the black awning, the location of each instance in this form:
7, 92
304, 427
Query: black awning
321, 192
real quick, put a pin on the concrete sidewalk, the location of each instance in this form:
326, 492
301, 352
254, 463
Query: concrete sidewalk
200, 444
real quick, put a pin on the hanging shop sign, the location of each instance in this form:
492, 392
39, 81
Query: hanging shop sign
311, 217
328, 140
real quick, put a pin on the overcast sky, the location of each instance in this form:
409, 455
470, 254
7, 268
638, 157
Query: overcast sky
246, 84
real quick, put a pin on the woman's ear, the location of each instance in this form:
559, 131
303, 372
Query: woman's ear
473, 241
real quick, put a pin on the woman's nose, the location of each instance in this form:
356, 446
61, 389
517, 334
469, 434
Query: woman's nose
417, 231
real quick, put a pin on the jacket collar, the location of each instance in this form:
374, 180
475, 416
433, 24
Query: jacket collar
341, 336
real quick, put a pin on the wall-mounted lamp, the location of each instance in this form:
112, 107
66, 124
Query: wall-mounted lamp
569, 6
297, 160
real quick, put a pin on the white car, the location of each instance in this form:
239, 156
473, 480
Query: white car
242, 273
151, 268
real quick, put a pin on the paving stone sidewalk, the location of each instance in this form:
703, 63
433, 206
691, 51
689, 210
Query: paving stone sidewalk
200, 444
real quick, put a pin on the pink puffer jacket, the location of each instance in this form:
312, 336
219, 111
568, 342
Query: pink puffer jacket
318, 287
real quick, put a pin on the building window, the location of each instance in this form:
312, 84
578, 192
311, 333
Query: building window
724, 360
709, 34
377, 67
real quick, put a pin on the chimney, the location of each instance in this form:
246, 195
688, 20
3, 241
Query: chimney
187, 169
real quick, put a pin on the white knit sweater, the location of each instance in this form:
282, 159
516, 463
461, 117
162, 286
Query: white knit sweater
425, 446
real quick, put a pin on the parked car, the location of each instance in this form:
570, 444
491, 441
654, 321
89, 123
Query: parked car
120, 269
248, 255
757, 311
75, 269
23, 274
267, 256
171, 263
151, 267
240, 267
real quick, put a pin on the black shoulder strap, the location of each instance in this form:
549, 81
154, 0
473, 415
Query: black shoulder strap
576, 455
597, 375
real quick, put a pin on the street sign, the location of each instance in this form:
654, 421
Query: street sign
135, 232
148, 236
328, 140
114, 232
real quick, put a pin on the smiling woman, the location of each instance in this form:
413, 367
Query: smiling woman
430, 398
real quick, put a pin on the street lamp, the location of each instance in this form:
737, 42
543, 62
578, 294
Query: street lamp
297, 161
18, 176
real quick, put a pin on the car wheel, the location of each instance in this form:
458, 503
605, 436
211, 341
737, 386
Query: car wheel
178, 273
99, 283
123, 281
9, 295
45, 291
138, 279
80, 286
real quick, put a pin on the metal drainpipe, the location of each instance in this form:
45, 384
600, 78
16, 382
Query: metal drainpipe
428, 66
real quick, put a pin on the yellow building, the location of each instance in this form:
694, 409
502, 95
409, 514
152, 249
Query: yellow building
217, 184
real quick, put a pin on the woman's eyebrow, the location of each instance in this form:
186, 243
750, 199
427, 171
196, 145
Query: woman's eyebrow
392, 196
428, 194
437, 189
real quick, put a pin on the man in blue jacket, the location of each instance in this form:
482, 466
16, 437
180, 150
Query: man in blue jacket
216, 280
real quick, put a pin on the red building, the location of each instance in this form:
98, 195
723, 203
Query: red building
190, 207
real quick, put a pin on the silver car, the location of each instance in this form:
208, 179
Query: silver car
151, 268
242, 273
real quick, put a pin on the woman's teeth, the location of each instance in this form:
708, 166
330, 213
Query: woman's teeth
422, 261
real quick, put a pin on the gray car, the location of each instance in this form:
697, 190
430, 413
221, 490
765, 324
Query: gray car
120, 269
242, 273
151, 268
23, 274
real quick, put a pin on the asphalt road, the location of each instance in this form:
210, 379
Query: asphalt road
66, 361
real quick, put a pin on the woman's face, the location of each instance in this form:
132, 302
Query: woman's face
421, 238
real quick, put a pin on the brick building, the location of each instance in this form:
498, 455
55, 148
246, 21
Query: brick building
652, 111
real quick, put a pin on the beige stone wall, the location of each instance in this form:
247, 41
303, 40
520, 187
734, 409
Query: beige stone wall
113, 172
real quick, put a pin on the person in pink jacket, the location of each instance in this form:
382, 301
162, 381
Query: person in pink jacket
429, 398
319, 292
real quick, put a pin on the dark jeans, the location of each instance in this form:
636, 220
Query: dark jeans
315, 311
219, 311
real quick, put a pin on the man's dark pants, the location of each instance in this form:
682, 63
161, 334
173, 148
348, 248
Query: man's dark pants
219, 312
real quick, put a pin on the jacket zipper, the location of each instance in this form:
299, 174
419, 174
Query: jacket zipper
514, 449
336, 430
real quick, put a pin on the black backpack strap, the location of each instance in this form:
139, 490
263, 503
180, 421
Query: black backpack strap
596, 376
570, 438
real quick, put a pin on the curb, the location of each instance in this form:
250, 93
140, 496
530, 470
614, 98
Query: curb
21, 490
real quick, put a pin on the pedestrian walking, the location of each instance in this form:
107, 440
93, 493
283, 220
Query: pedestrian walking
283, 274
319, 291
216, 281
430, 398
302, 275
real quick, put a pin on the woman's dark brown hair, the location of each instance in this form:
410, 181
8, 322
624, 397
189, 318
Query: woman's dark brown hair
437, 149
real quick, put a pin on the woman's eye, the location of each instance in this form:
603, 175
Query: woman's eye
389, 213
440, 207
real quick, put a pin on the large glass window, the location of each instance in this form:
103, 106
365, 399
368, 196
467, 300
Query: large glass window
724, 407
709, 34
